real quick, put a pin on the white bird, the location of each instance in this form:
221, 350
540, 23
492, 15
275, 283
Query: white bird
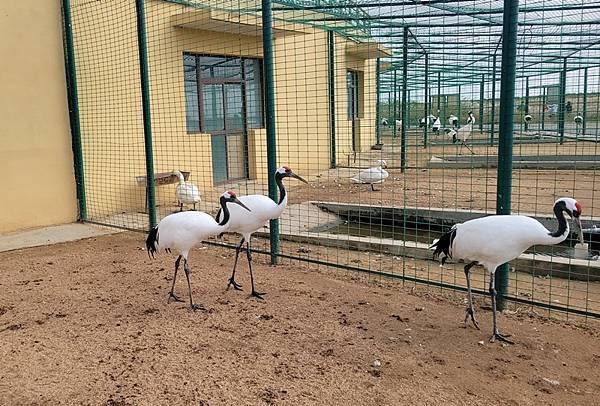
527, 119
470, 118
372, 175
578, 119
494, 240
183, 231
462, 135
453, 121
398, 123
262, 209
384, 122
437, 125
186, 192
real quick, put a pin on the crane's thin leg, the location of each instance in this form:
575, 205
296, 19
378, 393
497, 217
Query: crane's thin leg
171, 293
232, 281
469, 148
249, 255
186, 268
180, 206
496, 334
470, 310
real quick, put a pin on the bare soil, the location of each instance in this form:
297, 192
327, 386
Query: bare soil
88, 323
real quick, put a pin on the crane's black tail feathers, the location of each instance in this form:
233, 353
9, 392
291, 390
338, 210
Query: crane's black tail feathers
444, 245
152, 242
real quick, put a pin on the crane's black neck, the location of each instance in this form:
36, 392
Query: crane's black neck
559, 209
225, 210
279, 181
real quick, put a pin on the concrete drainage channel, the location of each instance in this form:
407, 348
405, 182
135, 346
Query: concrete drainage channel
321, 234
519, 162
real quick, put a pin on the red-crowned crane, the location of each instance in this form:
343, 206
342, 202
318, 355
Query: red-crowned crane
470, 118
183, 231
453, 121
262, 209
494, 240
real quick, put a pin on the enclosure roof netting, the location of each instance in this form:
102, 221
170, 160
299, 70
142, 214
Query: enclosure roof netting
460, 39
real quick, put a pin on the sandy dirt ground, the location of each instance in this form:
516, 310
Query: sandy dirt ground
88, 323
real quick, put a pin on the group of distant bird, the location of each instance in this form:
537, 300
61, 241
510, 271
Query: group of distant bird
488, 241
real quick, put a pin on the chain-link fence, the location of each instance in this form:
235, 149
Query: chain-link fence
470, 109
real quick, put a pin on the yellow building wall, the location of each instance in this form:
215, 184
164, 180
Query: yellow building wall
111, 109
38, 184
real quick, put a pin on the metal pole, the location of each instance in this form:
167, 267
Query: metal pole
408, 119
395, 129
145, 82
404, 100
544, 108
377, 108
481, 98
267, 21
71, 77
584, 110
507, 111
426, 104
493, 112
439, 90
331, 90
526, 101
459, 112
561, 102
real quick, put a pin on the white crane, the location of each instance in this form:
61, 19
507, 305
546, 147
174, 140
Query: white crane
186, 192
437, 125
578, 123
262, 209
427, 121
372, 175
384, 122
183, 231
494, 240
453, 121
462, 135
527, 119
470, 118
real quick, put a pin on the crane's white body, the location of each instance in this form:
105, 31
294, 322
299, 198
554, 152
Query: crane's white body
527, 118
374, 175
186, 192
494, 240
464, 132
398, 123
262, 209
185, 230
437, 125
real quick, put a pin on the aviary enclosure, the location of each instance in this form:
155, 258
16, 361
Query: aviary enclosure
226, 91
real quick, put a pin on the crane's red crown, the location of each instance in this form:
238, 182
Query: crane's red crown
578, 207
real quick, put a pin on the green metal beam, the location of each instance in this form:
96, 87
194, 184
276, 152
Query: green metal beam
145, 83
404, 102
505, 142
72, 93
331, 91
268, 63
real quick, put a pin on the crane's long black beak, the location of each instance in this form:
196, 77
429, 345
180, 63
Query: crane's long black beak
236, 201
293, 175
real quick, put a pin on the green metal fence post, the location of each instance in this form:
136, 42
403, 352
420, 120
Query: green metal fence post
426, 104
439, 91
395, 117
377, 107
73, 100
526, 101
145, 82
331, 90
544, 100
493, 112
459, 112
585, 93
404, 100
505, 142
267, 31
408, 118
561, 102
481, 99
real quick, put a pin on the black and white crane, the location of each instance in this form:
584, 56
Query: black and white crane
470, 118
262, 210
453, 121
183, 231
494, 240
578, 119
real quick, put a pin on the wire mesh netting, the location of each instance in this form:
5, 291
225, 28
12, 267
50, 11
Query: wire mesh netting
171, 101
